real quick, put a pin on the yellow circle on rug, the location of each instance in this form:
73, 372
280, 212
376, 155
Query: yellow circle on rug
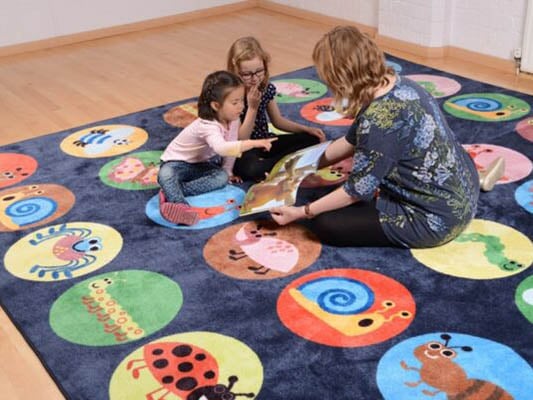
104, 141
485, 250
63, 251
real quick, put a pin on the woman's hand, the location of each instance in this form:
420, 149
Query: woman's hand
253, 97
286, 214
235, 179
316, 132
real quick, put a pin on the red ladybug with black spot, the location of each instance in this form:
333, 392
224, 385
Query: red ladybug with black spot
186, 370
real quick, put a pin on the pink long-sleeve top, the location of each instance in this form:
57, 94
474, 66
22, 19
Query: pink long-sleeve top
202, 140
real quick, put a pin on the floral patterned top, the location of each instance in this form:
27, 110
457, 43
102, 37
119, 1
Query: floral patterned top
260, 130
405, 151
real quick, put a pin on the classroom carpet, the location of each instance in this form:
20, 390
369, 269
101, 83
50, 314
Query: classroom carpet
118, 303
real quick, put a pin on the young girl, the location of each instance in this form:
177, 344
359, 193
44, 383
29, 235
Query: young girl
412, 183
247, 59
191, 162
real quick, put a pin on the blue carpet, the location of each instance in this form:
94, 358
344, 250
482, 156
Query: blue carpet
119, 304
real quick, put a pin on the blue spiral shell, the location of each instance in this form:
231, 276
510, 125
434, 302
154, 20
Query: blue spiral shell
31, 210
479, 104
338, 295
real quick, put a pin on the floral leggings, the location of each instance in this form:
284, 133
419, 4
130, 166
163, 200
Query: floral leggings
179, 179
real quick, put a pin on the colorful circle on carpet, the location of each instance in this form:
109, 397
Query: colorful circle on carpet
115, 308
453, 365
397, 67
485, 250
346, 307
214, 208
63, 251
191, 365
104, 141
524, 298
323, 112
14, 168
517, 165
525, 128
262, 249
438, 86
25, 207
182, 115
136, 171
524, 196
486, 107
332, 175
298, 90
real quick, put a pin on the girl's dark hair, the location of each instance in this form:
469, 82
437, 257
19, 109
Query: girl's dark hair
216, 87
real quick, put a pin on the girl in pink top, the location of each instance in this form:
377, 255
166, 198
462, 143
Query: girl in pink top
191, 164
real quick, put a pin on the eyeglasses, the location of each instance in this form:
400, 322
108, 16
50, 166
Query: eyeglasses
250, 75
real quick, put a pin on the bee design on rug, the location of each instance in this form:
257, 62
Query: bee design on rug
98, 141
186, 370
74, 246
440, 371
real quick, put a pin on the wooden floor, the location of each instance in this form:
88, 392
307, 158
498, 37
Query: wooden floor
52, 90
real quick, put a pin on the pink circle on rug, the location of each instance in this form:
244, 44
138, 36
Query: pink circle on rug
517, 166
525, 128
438, 86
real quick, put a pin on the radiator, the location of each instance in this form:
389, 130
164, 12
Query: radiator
527, 43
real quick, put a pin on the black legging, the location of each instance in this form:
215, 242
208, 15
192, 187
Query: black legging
355, 226
253, 164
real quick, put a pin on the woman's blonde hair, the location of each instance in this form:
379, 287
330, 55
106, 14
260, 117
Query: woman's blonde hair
352, 66
245, 49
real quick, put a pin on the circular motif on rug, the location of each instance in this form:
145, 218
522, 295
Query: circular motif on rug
25, 207
485, 250
63, 251
486, 107
115, 308
397, 67
323, 112
104, 141
136, 171
346, 307
214, 208
524, 195
192, 365
182, 115
262, 249
517, 165
332, 175
438, 86
525, 128
14, 168
524, 298
298, 90
453, 365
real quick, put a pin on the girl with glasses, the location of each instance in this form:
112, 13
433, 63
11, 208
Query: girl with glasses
247, 59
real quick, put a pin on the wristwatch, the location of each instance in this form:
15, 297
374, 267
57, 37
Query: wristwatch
307, 211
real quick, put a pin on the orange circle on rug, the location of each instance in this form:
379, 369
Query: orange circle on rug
104, 141
525, 128
14, 168
346, 307
182, 115
485, 250
25, 207
323, 112
261, 249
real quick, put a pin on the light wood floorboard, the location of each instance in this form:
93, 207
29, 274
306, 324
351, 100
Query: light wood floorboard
52, 90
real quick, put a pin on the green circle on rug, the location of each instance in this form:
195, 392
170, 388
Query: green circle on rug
115, 308
524, 298
485, 250
136, 171
298, 90
486, 107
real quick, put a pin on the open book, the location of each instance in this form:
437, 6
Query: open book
281, 185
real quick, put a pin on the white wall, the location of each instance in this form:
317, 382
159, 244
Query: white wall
30, 20
491, 27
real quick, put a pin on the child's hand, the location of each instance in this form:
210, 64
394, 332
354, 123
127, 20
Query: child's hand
235, 179
316, 132
254, 97
264, 143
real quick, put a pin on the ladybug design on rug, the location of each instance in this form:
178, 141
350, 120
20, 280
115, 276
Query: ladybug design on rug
186, 370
